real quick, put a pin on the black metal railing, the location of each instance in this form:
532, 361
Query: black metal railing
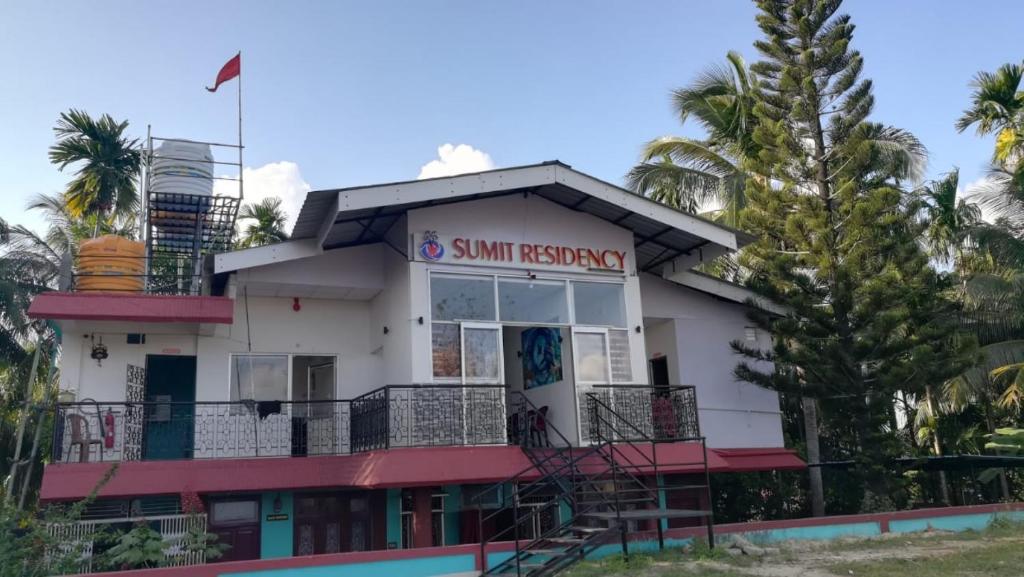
389, 417
663, 413
429, 416
99, 431
160, 273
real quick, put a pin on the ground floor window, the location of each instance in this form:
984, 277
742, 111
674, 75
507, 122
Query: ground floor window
437, 533
437, 519
542, 515
408, 505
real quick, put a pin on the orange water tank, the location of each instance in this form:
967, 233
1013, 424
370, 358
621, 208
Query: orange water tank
110, 263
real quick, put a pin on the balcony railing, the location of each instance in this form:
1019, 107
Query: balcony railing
663, 413
429, 416
390, 417
201, 430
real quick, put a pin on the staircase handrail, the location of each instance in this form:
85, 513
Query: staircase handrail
533, 466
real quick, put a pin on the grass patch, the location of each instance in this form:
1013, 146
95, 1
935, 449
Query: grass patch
999, 560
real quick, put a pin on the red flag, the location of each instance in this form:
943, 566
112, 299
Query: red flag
230, 70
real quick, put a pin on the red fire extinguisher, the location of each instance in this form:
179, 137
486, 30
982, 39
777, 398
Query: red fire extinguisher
108, 430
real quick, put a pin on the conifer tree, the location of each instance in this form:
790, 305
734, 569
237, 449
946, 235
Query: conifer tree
838, 240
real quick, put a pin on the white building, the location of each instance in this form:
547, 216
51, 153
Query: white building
539, 279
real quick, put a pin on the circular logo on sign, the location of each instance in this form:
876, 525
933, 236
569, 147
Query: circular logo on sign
430, 248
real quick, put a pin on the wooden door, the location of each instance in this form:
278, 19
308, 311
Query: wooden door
243, 543
236, 522
318, 523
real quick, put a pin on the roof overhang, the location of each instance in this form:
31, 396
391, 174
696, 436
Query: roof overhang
722, 289
346, 217
406, 467
142, 308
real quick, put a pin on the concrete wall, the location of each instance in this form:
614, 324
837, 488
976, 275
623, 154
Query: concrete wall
694, 330
519, 219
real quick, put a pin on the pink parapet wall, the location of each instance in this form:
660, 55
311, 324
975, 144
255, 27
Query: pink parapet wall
132, 307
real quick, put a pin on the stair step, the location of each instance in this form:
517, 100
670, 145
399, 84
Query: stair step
620, 502
646, 514
583, 529
543, 552
566, 540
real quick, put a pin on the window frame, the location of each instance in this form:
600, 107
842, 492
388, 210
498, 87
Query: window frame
291, 371
496, 278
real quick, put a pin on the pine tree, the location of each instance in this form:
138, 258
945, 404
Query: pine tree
838, 238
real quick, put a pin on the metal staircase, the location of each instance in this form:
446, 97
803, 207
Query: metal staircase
600, 489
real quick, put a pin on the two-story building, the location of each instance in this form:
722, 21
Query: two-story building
360, 385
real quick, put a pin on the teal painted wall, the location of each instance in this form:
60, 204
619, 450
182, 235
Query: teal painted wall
662, 501
976, 522
276, 536
464, 563
394, 518
421, 567
818, 533
564, 511
452, 511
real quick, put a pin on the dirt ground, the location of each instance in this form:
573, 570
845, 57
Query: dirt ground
823, 560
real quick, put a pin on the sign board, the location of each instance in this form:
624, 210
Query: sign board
278, 517
431, 247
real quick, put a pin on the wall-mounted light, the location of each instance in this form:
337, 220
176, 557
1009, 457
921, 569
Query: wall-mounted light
638, 329
420, 320
296, 305
99, 351
386, 331
278, 505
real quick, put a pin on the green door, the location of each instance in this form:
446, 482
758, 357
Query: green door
170, 407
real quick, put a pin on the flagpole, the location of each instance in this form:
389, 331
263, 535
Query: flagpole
241, 166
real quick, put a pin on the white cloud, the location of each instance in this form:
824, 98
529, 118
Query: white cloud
971, 192
281, 179
456, 159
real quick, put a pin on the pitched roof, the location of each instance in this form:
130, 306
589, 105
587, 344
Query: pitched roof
345, 217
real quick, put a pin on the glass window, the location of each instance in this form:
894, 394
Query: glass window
532, 301
447, 350
618, 350
224, 512
437, 519
259, 377
461, 298
600, 304
592, 357
482, 354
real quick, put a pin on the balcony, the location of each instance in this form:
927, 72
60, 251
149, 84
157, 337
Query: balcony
396, 416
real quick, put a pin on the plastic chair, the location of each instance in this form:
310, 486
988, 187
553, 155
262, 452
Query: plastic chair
80, 436
538, 427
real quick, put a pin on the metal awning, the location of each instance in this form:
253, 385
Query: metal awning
347, 217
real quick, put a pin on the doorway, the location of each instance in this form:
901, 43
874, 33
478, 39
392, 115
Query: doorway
333, 523
236, 522
540, 366
314, 414
659, 371
170, 407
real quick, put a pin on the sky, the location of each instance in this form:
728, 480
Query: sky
345, 93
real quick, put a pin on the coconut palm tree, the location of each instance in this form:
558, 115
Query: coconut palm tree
948, 219
268, 226
997, 107
107, 163
689, 173
993, 294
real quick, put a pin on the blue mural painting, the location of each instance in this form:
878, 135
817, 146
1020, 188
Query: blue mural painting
542, 356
